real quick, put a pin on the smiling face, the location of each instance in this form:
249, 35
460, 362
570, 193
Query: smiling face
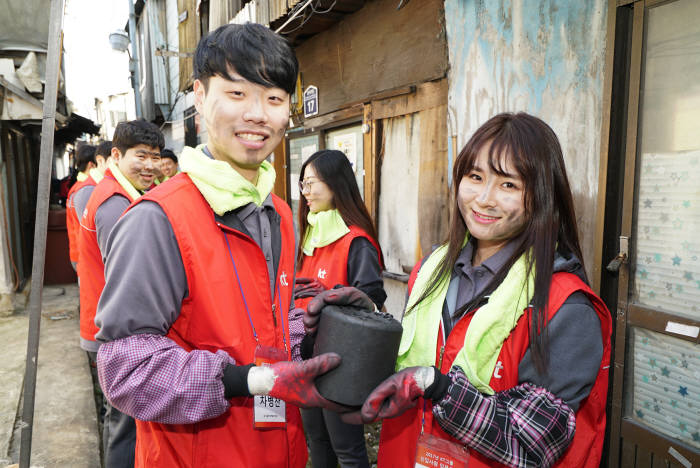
245, 121
138, 164
317, 194
168, 167
492, 204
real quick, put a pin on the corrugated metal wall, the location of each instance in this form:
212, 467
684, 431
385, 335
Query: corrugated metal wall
545, 57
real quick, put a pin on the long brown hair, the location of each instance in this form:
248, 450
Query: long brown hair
535, 152
333, 169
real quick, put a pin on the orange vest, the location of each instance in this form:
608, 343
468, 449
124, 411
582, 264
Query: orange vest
72, 222
397, 444
213, 317
329, 264
91, 268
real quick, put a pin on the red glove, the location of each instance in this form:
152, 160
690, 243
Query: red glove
346, 296
293, 382
393, 396
307, 287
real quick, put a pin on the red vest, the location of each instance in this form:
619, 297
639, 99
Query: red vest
329, 264
72, 222
91, 268
213, 317
397, 445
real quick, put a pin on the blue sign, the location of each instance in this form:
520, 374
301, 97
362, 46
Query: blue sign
310, 101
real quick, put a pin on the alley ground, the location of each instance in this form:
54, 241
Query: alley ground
65, 424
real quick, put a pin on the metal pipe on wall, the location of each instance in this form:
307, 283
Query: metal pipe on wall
53, 63
134, 60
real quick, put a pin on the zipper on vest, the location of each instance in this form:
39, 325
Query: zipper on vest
274, 318
442, 352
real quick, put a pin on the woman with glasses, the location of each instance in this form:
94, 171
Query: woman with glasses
338, 247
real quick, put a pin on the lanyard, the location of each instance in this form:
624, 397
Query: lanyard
245, 302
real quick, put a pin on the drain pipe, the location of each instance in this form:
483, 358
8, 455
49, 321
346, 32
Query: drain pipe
53, 61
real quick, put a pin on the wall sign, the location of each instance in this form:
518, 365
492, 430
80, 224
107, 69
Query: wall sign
310, 101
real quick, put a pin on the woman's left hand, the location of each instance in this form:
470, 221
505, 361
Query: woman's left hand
307, 287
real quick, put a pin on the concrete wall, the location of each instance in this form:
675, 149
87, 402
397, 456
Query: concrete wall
545, 57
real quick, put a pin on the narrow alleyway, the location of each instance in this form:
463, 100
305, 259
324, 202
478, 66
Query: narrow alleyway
65, 424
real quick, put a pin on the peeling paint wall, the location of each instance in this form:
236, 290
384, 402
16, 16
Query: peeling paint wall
545, 57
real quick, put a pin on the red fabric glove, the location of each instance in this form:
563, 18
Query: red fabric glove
307, 287
393, 396
293, 382
346, 296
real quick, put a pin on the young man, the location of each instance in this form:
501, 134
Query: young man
200, 277
168, 164
88, 176
135, 152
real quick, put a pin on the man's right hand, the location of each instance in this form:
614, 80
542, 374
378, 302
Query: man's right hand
293, 382
346, 296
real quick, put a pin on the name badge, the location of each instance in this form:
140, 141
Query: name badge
268, 412
434, 452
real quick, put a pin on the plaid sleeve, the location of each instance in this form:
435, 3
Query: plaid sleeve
526, 426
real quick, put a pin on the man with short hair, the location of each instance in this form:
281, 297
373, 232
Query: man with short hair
135, 152
87, 177
168, 164
200, 276
103, 155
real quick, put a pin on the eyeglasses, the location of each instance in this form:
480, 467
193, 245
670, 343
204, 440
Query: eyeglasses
306, 185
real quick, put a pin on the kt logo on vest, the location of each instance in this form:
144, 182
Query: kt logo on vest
283, 279
322, 273
497, 370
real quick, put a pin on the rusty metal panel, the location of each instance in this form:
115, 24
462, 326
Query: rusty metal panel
545, 57
155, 12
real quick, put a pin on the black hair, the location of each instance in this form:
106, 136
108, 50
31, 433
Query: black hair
168, 153
137, 132
333, 168
104, 149
536, 154
84, 155
251, 50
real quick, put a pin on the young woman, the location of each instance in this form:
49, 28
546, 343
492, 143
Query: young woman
505, 348
339, 247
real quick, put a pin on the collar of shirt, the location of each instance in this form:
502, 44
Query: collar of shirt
246, 210
495, 262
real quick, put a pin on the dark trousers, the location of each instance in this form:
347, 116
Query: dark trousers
332, 441
118, 429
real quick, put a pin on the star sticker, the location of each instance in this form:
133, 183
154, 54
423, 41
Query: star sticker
683, 390
657, 409
665, 372
686, 245
647, 203
640, 414
677, 223
676, 260
696, 436
653, 377
643, 274
645, 378
684, 364
657, 257
652, 294
686, 203
679, 288
652, 362
688, 276
682, 426
647, 260
674, 403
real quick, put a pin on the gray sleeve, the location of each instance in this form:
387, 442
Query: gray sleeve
106, 217
575, 352
364, 271
145, 280
80, 199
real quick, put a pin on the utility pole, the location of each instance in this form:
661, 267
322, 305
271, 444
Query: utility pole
134, 59
53, 62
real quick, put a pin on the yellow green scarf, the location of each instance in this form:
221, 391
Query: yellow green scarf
488, 329
96, 175
123, 181
221, 185
325, 227
81, 177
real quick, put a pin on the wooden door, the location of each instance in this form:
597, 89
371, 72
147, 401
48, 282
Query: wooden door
655, 417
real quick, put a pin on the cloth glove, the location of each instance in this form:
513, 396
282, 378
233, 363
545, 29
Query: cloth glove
399, 393
343, 296
307, 287
293, 382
